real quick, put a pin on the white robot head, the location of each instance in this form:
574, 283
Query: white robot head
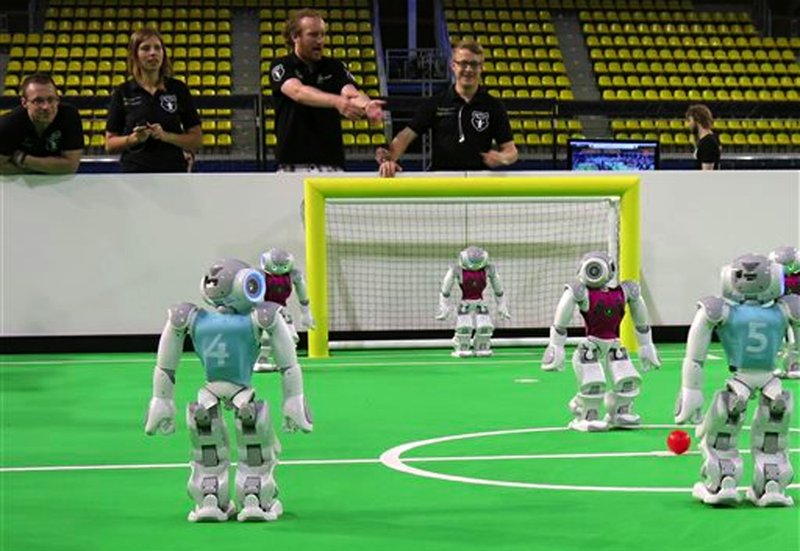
473, 259
277, 262
788, 257
752, 277
233, 286
596, 269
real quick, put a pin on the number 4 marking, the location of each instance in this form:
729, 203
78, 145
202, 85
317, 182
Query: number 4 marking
217, 350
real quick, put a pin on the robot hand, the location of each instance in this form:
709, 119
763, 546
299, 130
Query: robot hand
444, 308
160, 415
648, 356
553, 359
689, 406
502, 308
306, 318
297, 414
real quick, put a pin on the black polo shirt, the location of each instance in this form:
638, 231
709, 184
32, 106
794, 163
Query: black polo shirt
461, 130
17, 132
308, 135
173, 108
708, 151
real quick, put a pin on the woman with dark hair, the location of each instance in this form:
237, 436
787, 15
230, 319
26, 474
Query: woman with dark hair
152, 119
707, 147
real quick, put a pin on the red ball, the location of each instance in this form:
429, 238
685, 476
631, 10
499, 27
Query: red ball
678, 441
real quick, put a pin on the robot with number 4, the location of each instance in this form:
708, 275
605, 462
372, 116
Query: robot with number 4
472, 274
600, 357
750, 318
226, 338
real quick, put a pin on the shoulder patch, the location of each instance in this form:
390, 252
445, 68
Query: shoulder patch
578, 291
265, 314
792, 302
631, 289
277, 72
714, 308
181, 314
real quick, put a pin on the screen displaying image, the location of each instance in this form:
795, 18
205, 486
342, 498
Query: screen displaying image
616, 155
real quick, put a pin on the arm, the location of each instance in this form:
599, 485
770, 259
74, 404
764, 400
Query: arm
373, 108
299, 282
66, 163
7, 167
189, 140
444, 294
553, 359
116, 143
387, 158
499, 294
506, 155
644, 335
312, 97
707, 166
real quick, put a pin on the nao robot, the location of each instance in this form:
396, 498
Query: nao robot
605, 373
472, 273
789, 258
750, 319
226, 338
280, 276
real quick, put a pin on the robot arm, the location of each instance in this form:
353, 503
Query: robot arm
499, 294
790, 304
644, 336
445, 309
161, 411
689, 406
299, 282
553, 359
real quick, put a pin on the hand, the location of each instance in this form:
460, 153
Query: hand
140, 134
502, 308
553, 359
157, 132
493, 159
689, 406
349, 108
374, 109
160, 416
648, 357
389, 169
444, 309
306, 318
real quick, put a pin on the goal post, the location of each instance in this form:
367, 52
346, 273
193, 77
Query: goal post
319, 191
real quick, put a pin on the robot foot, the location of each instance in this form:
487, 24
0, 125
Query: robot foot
461, 353
623, 420
727, 496
252, 511
263, 365
773, 496
210, 511
485, 353
297, 415
583, 425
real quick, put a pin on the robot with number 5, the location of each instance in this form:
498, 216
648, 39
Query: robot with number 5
472, 273
789, 258
604, 371
226, 338
750, 318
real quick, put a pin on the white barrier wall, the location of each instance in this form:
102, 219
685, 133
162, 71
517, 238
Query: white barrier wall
107, 254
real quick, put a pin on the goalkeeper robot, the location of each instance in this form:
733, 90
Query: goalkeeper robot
605, 373
474, 326
281, 276
750, 319
226, 338
789, 258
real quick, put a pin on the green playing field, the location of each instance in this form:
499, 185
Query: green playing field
410, 450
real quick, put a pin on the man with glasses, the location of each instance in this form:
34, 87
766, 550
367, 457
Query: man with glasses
41, 136
465, 119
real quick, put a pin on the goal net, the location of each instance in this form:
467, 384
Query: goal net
377, 251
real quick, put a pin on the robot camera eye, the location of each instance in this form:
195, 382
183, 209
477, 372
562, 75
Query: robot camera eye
594, 270
252, 286
211, 281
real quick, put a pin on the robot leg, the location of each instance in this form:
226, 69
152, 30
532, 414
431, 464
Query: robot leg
462, 340
256, 490
482, 342
719, 436
769, 435
625, 382
585, 405
208, 482
264, 361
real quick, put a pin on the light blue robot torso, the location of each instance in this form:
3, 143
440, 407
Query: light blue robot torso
226, 346
752, 335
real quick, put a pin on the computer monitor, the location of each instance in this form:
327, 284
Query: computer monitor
619, 155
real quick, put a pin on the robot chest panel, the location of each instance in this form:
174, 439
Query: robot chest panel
605, 312
226, 347
472, 284
751, 336
792, 284
279, 288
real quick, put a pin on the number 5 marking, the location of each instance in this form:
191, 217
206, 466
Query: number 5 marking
756, 335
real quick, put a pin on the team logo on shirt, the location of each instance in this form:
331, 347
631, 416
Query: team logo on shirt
277, 72
169, 103
480, 120
53, 142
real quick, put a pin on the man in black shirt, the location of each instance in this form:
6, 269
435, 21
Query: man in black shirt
465, 120
708, 150
311, 93
40, 136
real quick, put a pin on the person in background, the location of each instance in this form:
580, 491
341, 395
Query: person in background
708, 150
42, 135
465, 119
152, 119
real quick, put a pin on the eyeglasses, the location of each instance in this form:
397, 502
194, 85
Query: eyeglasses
39, 102
474, 65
